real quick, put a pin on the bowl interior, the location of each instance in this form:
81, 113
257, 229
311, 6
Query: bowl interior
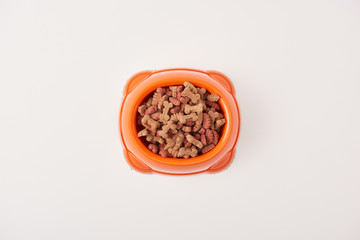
202, 157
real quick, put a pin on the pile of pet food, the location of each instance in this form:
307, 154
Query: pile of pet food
181, 121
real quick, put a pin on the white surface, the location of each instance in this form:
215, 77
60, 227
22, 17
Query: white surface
295, 66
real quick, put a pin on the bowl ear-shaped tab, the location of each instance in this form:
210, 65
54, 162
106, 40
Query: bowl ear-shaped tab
136, 164
223, 80
136, 80
223, 163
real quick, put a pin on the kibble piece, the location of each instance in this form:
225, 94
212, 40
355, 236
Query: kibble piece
192, 140
193, 109
206, 121
154, 148
164, 153
143, 133
219, 123
203, 139
178, 141
213, 97
151, 110
174, 101
155, 116
173, 91
213, 105
148, 120
207, 148
209, 136
175, 110
216, 137
194, 97
190, 86
188, 151
213, 116
186, 129
142, 110
165, 114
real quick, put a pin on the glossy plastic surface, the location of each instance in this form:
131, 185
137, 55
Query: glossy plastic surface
142, 159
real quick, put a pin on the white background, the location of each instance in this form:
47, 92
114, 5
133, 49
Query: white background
296, 69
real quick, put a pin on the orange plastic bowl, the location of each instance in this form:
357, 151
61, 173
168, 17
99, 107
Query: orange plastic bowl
141, 158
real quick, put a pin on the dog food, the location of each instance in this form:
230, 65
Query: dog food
180, 121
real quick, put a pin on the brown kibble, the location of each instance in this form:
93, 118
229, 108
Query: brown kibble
156, 98
184, 118
173, 152
186, 129
213, 105
179, 90
175, 110
161, 102
148, 103
154, 148
142, 110
147, 120
198, 122
191, 87
213, 98
166, 128
168, 92
206, 121
191, 103
161, 90
193, 152
196, 128
151, 110
192, 140
182, 107
155, 116
170, 142
203, 103
165, 113
208, 148
184, 100
209, 136
143, 133
173, 91
178, 141
188, 144
202, 130
197, 136
152, 138
201, 91
174, 101
219, 123
203, 139
196, 108
213, 116
190, 123
164, 153
179, 125
216, 137
194, 97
